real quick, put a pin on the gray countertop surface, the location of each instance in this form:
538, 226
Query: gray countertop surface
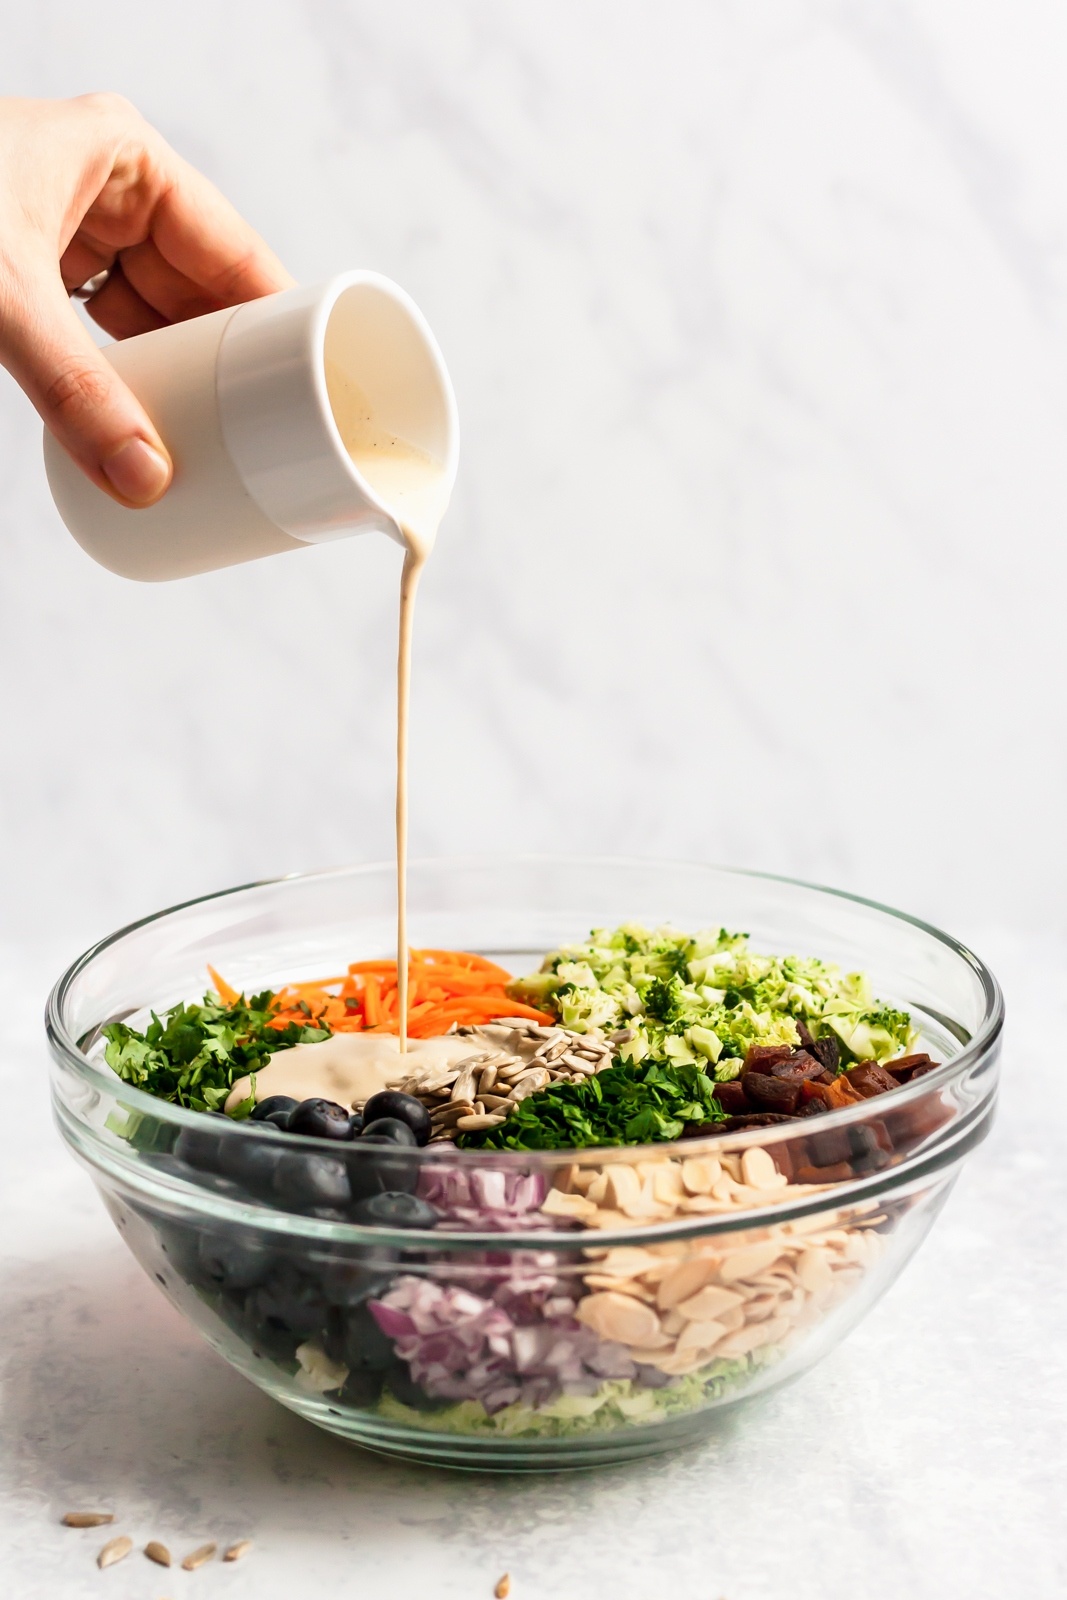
926, 1457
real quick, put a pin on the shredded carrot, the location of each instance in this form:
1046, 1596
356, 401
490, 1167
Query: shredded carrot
445, 988
226, 993
372, 1002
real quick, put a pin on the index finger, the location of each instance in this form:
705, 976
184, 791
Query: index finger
197, 230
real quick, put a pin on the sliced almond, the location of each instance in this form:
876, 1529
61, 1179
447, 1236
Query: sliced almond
634, 1286
749, 1259
709, 1302
684, 1280
815, 1271
758, 1170
618, 1317
667, 1185
628, 1260
699, 1173
623, 1187
558, 1204
699, 1336
606, 1218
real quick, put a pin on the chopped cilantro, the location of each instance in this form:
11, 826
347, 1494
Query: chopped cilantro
624, 1104
194, 1054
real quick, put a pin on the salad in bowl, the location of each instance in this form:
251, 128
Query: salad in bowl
653, 1138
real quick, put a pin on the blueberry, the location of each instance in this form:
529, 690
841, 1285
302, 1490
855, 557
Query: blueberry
250, 1157
290, 1303
321, 1119
388, 1130
403, 1387
395, 1210
361, 1388
355, 1125
354, 1338
350, 1283
378, 1164
179, 1245
232, 1262
404, 1107
200, 1147
275, 1108
309, 1180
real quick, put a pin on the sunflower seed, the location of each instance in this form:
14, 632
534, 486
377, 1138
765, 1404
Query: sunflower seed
521, 1091
114, 1550
199, 1557
477, 1122
448, 1114
538, 1078
583, 1066
503, 1587
463, 1088
486, 1079
237, 1551
157, 1552
87, 1519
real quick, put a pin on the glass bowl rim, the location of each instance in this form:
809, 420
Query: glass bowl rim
66, 1048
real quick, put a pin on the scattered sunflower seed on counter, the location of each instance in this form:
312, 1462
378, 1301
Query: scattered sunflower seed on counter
198, 1557
115, 1550
510, 1059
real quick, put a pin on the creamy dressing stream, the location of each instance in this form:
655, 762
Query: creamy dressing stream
414, 487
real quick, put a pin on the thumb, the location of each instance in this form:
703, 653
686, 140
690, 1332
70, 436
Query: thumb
81, 398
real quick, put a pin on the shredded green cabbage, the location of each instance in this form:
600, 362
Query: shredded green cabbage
618, 1403
702, 1001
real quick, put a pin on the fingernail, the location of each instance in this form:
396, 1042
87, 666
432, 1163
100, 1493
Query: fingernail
137, 472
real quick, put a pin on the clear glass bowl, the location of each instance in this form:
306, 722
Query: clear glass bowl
567, 1308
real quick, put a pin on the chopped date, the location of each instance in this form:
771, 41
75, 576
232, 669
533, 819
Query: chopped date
905, 1068
732, 1097
767, 1093
798, 1067
754, 1119
762, 1057
869, 1078
825, 1050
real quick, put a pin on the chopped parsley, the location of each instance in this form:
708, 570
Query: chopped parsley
644, 1103
194, 1054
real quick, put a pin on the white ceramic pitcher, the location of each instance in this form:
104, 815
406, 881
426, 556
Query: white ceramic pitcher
241, 399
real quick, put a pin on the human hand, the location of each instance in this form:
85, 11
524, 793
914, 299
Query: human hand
87, 186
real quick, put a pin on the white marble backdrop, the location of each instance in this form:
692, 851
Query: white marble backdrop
756, 314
